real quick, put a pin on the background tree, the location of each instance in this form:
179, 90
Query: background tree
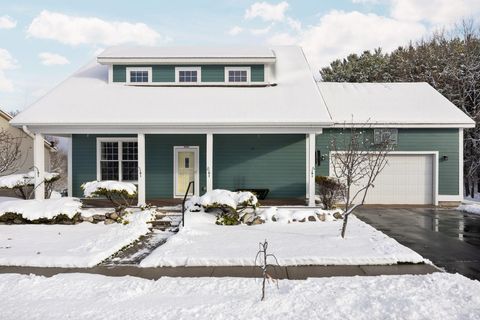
448, 62
10, 151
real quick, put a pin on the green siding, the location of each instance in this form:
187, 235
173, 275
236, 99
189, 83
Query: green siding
213, 73
163, 73
445, 141
210, 73
84, 160
119, 73
159, 162
257, 73
276, 162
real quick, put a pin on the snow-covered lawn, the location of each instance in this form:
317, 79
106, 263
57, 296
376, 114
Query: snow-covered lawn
202, 243
470, 208
86, 296
81, 245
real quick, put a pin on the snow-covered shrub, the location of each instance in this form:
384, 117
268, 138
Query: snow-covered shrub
283, 215
48, 211
120, 194
226, 204
22, 184
331, 190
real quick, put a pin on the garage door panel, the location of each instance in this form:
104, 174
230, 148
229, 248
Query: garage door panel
406, 179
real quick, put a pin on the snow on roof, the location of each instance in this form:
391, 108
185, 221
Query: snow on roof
391, 104
86, 98
188, 52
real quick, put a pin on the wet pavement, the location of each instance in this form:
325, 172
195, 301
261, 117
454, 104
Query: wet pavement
448, 238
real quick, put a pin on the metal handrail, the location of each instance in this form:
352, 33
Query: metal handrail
191, 183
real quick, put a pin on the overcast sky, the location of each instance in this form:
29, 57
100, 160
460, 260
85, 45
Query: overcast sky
42, 42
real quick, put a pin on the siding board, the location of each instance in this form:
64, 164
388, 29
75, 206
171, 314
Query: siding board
445, 141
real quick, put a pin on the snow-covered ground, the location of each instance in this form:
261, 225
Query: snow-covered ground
202, 243
36, 209
86, 296
470, 208
81, 245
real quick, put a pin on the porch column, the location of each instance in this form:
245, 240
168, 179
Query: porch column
209, 162
141, 169
70, 166
39, 165
311, 169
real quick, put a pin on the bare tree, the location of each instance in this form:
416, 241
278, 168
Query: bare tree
262, 260
10, 151
59, 163
357, 160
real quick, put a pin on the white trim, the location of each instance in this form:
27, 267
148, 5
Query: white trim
448, 198
434, 167
178, 129
307, 184
196, 151
110, 74
113, 139
39, 165
209, 156
192, 60
406, 125
141, 169
230, 68
311, 169
192, 68
127, 74
70, 166
460, 163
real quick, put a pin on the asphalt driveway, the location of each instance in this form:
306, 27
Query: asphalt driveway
449, 238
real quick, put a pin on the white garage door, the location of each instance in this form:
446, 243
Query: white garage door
406, 179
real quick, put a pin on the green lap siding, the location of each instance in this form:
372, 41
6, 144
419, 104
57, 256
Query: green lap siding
276, 162
210, 73
445, 141
159, 162
84, 160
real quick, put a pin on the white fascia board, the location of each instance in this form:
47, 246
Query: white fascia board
179, 129
199, 60
406, 125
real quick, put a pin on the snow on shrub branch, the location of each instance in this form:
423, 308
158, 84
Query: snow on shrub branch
92, 188
24, 179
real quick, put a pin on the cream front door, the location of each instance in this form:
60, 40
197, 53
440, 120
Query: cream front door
186, 169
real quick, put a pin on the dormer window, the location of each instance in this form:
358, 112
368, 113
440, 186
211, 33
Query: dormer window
237, 74
187, 74
139, 75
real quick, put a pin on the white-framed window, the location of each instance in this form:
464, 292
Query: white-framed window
117, 159
188, 75
139, 74
385, 135
237, 75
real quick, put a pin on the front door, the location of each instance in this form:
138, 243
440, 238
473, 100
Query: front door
185, 170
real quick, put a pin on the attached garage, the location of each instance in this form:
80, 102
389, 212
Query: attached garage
408, 178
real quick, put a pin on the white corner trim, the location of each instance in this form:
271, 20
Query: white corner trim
113, 139
110, 73
141, 170
177, 74
209, 156
247, 69
311, 169
460, 163
127, 73
196, 150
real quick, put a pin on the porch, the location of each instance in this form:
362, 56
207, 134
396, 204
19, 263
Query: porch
162, 164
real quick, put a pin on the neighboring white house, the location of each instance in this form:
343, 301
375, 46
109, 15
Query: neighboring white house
25, 163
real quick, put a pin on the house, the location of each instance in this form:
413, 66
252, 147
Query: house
240, 118
25, 162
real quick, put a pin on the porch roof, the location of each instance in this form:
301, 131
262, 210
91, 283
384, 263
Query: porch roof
87, 99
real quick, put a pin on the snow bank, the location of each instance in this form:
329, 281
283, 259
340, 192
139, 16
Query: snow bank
89, 188
81, 245
203, 243
223, 197
437, 296
23, 179
36, 209
281, 215
470, 208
